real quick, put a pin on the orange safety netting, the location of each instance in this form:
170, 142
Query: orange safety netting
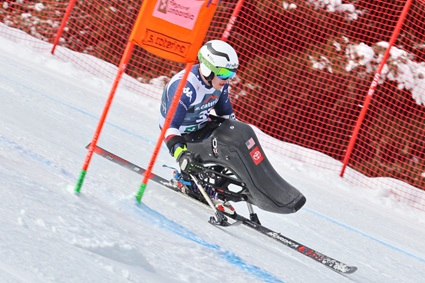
306, 68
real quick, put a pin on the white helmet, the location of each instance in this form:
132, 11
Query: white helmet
218, 58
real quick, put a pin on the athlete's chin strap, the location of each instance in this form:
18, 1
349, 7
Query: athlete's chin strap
210, 78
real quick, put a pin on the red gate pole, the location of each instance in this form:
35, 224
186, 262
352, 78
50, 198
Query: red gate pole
167, 122
63, 23
373, 86
121, 69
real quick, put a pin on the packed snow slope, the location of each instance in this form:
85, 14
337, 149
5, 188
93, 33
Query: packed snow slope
49, 111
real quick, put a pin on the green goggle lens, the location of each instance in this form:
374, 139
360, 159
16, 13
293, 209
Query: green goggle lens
225, 74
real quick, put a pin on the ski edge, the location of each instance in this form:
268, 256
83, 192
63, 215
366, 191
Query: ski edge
333, 264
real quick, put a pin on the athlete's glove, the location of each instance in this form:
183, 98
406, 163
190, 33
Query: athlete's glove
189, 162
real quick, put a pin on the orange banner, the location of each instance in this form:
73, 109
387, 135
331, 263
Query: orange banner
173, 29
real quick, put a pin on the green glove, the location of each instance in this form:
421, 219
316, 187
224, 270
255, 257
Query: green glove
189, 162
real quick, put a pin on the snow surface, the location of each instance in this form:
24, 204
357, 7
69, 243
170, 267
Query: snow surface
48, 114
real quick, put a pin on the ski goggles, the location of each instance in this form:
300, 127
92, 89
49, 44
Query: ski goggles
225, 74
221, 72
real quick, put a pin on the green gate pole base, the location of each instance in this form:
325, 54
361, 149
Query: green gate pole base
80, 181
140, 193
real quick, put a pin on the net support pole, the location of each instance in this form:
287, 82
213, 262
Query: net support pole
121, 69
232, 20
167, 122
373, 86
65, 18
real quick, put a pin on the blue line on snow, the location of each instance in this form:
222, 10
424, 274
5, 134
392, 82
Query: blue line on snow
36, 157
171, 226
364, 234
149, 141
